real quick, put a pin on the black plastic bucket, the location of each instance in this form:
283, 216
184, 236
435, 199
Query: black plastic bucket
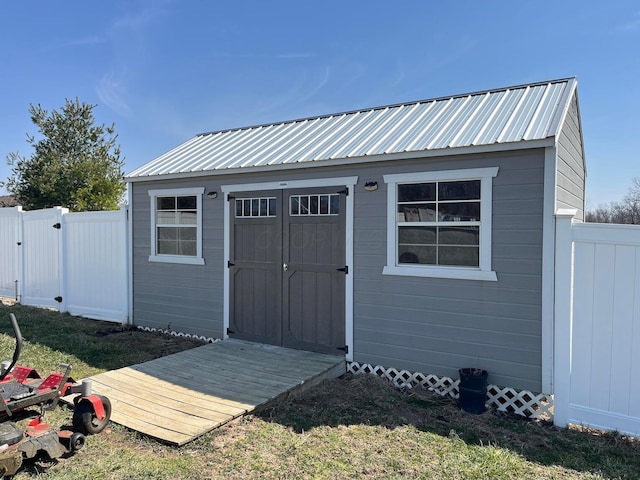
473, 389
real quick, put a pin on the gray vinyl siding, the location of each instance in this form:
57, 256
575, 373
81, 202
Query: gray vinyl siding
438, 325
188, 298
184, 298
571, 166
421, 324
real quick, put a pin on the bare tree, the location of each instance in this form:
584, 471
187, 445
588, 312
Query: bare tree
602, 214
631, 202
626, 211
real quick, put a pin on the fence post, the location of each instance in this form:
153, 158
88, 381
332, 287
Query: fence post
62, 260
563, 316
10, 245
19, 262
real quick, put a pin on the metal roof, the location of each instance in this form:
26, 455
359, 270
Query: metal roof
514, 114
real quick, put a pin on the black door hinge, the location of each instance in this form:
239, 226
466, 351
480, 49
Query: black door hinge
345, 349
229, 331
345, 269
58, 299
230, 264
345, 191
230, 197
57, 225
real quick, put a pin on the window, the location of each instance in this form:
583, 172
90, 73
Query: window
439, 224
176, 225
255, 207
314, 205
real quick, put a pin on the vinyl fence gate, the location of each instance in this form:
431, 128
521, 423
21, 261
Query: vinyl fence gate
75, 262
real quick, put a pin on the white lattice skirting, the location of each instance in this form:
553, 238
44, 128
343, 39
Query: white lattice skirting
523, 402
507, 399
179, 334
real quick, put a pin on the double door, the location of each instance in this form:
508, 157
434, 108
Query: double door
287, 268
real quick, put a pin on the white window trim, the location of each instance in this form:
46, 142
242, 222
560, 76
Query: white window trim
183, 259
483, 272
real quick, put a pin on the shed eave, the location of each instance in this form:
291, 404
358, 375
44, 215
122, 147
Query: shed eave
442, 152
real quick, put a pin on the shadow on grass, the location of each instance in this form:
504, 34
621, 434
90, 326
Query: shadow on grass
369, 400
361, 400
90, 345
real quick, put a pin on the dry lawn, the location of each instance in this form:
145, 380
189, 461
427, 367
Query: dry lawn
349, 428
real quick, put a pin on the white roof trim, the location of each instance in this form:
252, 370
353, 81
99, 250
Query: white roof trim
503, 147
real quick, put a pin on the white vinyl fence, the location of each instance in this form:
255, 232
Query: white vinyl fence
10, 235
597, 335
75, 262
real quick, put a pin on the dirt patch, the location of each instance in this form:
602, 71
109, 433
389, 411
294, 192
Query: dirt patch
371, 400
103, 332
144, 345
90, 345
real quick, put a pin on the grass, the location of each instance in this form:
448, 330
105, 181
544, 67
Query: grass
351, 427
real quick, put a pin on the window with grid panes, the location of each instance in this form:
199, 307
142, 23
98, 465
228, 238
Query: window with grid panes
176, 225
439, 224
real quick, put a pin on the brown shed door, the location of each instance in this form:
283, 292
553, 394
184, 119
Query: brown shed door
287, 260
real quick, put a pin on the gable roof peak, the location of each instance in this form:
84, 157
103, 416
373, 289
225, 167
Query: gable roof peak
484, 119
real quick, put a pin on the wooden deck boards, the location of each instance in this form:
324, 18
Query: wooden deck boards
181, 396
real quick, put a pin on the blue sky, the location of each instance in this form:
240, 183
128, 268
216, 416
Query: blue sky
163, 71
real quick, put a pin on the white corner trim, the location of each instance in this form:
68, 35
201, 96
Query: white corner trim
130, 316
548, 267
348, 299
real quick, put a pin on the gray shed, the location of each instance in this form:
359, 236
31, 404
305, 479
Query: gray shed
417, 236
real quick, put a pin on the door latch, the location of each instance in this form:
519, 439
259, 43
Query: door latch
285, 267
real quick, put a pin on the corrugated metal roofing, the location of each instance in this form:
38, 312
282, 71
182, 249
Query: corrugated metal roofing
506, 115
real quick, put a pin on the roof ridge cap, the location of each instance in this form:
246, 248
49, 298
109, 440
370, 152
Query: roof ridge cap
393, 105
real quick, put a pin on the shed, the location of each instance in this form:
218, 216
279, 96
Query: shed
416, 236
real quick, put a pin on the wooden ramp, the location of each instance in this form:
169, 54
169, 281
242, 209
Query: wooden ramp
182, 396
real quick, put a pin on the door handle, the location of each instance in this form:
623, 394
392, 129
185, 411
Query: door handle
285, 267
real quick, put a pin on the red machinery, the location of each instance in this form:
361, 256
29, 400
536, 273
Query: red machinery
21, 388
